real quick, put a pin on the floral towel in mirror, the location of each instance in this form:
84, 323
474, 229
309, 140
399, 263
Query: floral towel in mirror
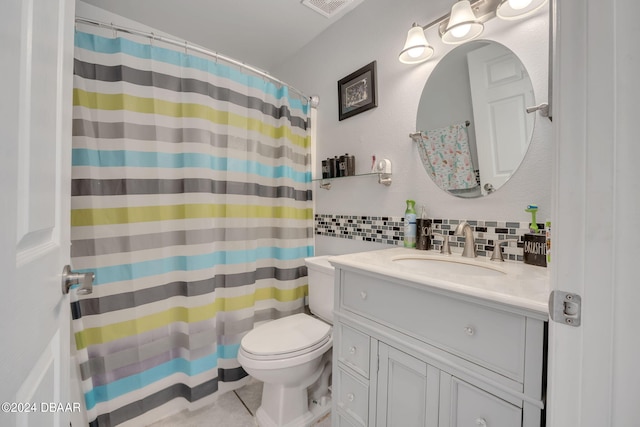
446, 157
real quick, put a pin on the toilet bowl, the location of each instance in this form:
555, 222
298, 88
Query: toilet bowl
292, 357
287, 366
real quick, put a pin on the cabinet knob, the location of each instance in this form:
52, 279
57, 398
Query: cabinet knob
481, 422
469, 331
351, 397
352, 350
363, 295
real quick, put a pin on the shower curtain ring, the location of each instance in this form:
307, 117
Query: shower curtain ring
185, 47
115, 31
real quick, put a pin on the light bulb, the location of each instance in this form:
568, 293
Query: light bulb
519, 4
415, 52
416, 49
460, 30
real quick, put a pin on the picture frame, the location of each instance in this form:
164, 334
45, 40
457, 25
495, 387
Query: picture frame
357, 92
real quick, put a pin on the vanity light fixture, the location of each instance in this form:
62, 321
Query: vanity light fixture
416, 48
516, 9
463, 24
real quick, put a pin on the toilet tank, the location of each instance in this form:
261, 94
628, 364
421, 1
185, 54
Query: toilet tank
320, 275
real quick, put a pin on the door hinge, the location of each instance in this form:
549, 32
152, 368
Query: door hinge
565, 307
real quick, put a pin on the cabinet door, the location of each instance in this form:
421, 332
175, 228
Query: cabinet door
464, 405
407, 393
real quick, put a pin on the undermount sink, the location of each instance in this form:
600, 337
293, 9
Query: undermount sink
447, 265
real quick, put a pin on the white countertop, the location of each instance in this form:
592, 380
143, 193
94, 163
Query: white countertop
521, 286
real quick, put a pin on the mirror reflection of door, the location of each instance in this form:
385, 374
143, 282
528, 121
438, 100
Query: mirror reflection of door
500, 93
495, 107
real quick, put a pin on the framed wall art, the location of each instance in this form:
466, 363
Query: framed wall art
357, 92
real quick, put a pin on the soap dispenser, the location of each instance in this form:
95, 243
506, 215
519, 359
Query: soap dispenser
410, 225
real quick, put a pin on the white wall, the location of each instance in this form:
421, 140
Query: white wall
376, 30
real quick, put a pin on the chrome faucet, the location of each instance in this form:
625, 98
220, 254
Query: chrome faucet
469, 250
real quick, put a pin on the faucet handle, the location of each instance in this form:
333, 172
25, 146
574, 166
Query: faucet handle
445, 249
497, 250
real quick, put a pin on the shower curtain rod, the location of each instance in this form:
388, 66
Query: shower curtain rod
186, 45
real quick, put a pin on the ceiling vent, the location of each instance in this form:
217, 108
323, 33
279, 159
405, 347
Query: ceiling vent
331, 8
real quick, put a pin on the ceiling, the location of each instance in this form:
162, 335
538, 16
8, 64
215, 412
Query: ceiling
261, 33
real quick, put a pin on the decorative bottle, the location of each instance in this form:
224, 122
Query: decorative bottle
410, 225
333, 167
423, 233
351, 164
325, 169
342, 166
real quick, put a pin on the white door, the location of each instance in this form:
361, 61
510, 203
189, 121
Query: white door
35, 124
593, 369
500, 93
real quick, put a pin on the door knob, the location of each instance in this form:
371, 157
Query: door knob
488, 187
543, 108
70, 278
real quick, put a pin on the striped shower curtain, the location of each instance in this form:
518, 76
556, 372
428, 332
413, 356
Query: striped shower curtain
191, 203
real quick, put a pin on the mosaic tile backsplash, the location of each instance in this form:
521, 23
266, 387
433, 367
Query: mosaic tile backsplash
390, 230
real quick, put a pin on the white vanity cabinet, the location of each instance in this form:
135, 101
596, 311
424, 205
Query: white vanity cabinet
409, 354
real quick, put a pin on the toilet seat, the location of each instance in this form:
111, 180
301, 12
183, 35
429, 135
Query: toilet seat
286, 337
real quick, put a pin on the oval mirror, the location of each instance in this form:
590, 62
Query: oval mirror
473, 127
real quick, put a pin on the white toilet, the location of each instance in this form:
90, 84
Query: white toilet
292, 357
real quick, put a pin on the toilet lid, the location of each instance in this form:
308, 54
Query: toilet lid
290, 334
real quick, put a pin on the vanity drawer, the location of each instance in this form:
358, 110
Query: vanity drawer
471, 406
492, 338
352, 397
353, 349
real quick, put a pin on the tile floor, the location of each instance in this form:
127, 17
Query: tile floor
232, 409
